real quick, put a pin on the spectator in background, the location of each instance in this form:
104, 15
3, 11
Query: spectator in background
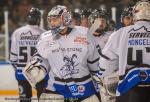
21, 12
9, 6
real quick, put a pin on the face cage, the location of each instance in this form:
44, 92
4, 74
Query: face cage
54, 28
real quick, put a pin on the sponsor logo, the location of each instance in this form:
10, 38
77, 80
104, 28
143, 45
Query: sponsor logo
81, 40
140, 36
143, 75
28, 36
81, 88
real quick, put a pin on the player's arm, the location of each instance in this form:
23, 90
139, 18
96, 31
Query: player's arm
13, 51
109, 60
93, 55
36, 69
108, 63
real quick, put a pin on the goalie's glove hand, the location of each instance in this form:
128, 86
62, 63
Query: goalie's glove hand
34, 72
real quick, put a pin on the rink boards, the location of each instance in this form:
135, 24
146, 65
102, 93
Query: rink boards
8, 83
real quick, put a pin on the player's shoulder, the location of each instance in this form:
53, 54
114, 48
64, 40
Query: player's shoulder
42, 29
20, 29
126, 28
122, 32
80, 29
109, 33
46, 34
36, 27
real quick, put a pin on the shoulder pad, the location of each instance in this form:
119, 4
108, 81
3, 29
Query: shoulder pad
46, 34
81, 27
81, 30
109, 32
43, 43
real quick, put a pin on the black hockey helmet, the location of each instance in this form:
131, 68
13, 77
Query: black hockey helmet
132, 2
126, 12
86, 13
34, 16
76, 15
99, 13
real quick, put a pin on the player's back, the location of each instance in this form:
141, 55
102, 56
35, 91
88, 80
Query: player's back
129, 49
23, 44
134, 45
134, 55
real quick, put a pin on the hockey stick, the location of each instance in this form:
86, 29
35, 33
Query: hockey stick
94, 26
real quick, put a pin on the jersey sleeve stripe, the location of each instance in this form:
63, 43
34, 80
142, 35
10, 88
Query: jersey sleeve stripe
21, 65
101, 69
91, 62
13, 53
13, 61
36, 54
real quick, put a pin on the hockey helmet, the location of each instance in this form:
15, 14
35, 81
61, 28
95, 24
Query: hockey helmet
34, 16
141, 11
63, 13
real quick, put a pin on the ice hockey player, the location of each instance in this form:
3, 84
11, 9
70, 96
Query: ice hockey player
128, 52
23, 42
68, 54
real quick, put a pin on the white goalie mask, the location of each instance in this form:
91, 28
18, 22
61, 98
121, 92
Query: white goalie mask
62, 13
141, 11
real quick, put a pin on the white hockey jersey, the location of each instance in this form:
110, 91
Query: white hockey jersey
128, 50
103, 39
23, 42
71, 59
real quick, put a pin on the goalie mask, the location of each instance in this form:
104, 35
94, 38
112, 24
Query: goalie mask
59, 18
141, 11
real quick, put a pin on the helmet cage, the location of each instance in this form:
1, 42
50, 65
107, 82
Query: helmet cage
62, 12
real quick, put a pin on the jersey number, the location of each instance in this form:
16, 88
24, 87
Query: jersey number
139, 56
24, 53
